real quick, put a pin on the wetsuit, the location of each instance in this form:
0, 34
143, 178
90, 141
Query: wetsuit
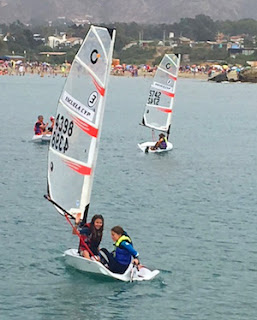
119, 260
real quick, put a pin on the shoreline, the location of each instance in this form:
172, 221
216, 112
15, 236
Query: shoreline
128, 74
142, 73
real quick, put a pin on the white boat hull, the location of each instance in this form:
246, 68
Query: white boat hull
41, 138
73, 259
144, 145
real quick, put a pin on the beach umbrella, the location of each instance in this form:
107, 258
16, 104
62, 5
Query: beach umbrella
217, 66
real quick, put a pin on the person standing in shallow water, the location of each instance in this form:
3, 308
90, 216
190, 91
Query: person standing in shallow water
119, 260
91, 234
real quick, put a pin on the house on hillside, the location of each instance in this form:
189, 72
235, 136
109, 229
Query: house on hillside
239, 39
73, 41
236, 49
184, 41
37, 37
56, 41
145, 43
82, 22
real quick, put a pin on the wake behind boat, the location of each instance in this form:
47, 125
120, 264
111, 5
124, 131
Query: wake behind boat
158, 109
75, 141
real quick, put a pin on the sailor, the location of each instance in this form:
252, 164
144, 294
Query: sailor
161, 143
40, 127
119, 260
50, 129
91, 235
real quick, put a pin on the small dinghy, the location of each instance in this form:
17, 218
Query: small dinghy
41, 138
73, 259
158, 108
75, 141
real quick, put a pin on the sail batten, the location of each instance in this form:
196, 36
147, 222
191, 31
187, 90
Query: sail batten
75, 139
89, 70
101, 43
166, 71
158, 108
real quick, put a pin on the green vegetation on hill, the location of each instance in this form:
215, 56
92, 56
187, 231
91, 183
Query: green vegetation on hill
200, 29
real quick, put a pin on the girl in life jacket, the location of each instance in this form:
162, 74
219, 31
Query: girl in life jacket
91, 234
119, 260
162, 143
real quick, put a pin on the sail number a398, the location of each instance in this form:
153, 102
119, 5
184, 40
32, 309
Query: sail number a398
63, 129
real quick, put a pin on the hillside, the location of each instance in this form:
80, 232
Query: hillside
140, 11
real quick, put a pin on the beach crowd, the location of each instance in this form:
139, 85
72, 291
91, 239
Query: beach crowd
21, 68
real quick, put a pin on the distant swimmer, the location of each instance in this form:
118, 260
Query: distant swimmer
40, 127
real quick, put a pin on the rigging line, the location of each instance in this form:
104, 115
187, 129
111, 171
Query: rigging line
153, 136
67, 215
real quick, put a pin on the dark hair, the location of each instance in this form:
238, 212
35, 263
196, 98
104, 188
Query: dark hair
96, 234
118, 230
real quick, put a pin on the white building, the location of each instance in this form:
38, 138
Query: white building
54, 41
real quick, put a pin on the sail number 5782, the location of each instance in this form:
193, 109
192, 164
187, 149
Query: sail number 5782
63, 128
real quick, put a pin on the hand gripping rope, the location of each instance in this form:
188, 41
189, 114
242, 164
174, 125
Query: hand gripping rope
67, 215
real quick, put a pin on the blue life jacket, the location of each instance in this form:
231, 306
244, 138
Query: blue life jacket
121, 255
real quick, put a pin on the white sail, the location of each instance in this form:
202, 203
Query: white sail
158, 109
74, 143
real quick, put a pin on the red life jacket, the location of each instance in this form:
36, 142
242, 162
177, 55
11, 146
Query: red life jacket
86, 238
37, 129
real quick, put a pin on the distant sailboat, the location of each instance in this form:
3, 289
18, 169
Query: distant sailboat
158, 109
75, 140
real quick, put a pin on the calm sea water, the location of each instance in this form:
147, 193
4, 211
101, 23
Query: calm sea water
191, 212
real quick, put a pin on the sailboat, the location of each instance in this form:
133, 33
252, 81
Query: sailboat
75, 140
41, 138
158, 108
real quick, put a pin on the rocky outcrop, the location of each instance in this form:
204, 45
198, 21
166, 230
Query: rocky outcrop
219, 77
248, 75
